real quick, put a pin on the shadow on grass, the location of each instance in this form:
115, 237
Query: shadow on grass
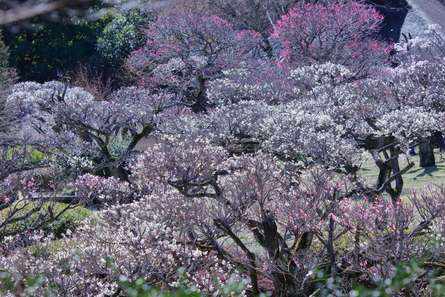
427, 171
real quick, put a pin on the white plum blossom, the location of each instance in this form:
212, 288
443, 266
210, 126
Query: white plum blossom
411, 123
80, 127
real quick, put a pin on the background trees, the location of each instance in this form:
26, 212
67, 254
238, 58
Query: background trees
6, 75
47, 48
184, 50
258, 16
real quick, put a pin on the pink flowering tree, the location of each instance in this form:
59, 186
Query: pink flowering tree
258, 16
185, 50
121, 241
214, 213
269, 219
341, 33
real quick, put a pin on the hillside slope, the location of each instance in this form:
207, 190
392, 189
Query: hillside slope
422, 14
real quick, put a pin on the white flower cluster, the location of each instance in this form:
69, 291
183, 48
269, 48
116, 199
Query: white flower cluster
358, 107
101, 190
78, 131
250, 82
322, 74
411, 123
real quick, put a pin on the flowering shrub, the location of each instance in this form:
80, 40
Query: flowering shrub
100, 190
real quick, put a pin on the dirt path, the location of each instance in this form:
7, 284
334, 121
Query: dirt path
424, 13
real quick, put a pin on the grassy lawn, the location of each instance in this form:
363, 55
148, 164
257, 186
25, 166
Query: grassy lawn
417, 177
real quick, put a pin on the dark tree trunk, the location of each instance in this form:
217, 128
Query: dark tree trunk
385, 152
120, 173
267, 46
426, 153
200, 101
284, 266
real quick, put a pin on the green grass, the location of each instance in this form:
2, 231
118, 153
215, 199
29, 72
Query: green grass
414, 179
34, 155
70, 219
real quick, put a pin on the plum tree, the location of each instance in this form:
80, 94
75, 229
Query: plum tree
341, 33
185, 50
89, 135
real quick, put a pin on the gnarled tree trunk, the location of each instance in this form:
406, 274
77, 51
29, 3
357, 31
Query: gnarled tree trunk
385, 152
426, 153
